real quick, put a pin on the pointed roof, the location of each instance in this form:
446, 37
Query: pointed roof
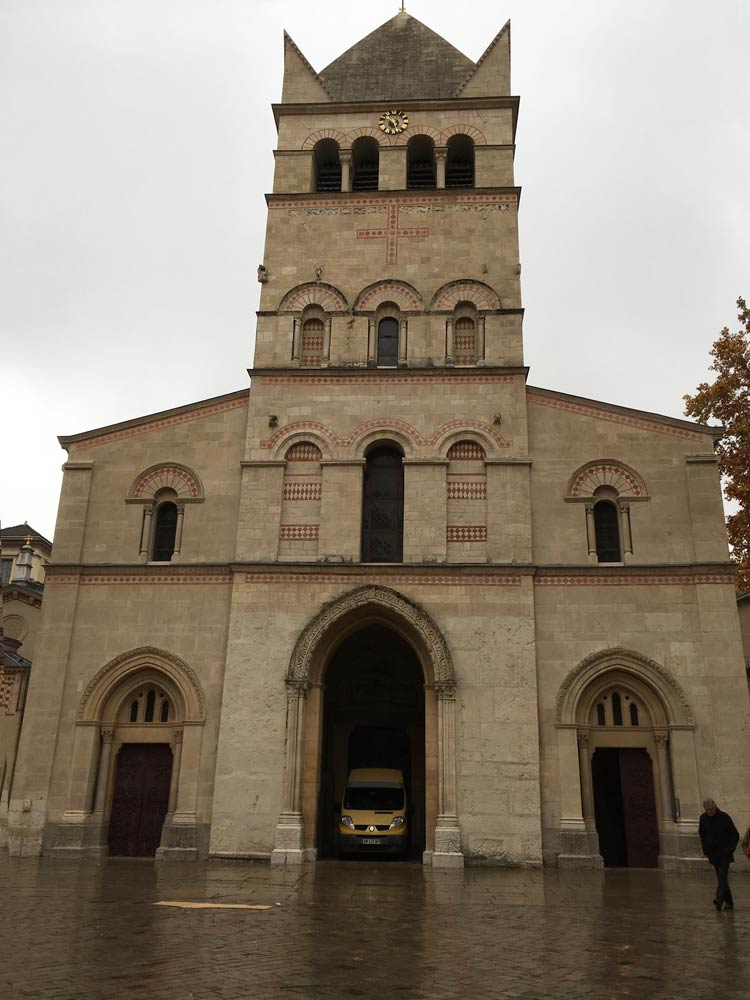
402, 59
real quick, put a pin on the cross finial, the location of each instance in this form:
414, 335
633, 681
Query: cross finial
27, 540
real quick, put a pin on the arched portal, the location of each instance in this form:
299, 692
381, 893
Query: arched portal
373, 717
327, 652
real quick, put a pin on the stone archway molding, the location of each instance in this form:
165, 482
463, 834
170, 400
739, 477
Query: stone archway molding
128, 664
305, 669
648, 671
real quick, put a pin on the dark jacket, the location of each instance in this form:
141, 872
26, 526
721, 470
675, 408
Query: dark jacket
718, 835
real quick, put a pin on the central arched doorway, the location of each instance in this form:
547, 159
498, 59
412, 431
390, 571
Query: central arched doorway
373, 717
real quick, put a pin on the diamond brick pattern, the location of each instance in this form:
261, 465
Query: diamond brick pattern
302, 491
466, 451
467, 491
300, 532
467, 533
303, 452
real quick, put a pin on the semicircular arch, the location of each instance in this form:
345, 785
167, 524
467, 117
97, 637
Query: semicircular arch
469, 130
619, 662
324, 133
106, 689
167, 475
314, 293
606, 472
471, 430
345, 614
480, 294
404, 295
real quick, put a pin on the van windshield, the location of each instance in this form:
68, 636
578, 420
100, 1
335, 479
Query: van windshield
369, 797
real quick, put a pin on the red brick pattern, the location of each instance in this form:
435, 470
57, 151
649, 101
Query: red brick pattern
345, 139
405, 296
387, 579
300, 532
392, 233
167, 476
658, 580
600, 413
609, 474
370, 378
475, 292
469, 451
467, 533
347, 202
303, 451
385, 425
313, 294
301, 491
157, 423
148, 577
467, 491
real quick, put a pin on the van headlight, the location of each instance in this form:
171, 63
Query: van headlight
396, 822
347, 821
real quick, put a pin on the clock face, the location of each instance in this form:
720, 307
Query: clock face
393, 122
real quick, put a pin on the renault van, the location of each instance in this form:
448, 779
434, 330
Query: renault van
373, 813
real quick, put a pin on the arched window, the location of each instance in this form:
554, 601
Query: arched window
616, 709
165, 529
465, 341
421, 163
607, 531
387, 356
327, 165
383, 506
148, 706
459, 164
619, 707
311, 348
633, 714
601, 719
365, 164
134, 711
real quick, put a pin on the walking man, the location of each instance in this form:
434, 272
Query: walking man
719, 838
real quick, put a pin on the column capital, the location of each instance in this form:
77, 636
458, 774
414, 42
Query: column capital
296, 688
445, 690
177, 735
661, 739
583, 738
108, 734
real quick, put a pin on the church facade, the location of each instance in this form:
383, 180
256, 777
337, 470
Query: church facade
391, 550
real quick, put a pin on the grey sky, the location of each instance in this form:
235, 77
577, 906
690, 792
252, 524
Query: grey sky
137, 138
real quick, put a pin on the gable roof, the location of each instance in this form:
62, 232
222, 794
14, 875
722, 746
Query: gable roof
402, 59
21, 531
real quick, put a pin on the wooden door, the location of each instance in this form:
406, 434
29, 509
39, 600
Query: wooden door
639, 808
140, 799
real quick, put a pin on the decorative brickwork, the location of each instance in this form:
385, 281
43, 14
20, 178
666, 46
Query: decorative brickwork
342, 204
466, 451
303, 451
467, 533
362, 430
477, 292
625, 580
467, 491
440, 136
302, 491
300, 532
602, 413
313, 293
391, 379
392, 233
389, 579
182, 480
405, 296
621, 478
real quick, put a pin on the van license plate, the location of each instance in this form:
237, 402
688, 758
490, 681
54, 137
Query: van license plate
371, 840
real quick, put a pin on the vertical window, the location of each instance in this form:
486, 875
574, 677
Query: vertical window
165, 529
134, 711
459, 164
150, 706
616, 709
365, 164
600, 716
388, 342
327, 165
311, 348
633, 714
607, 531
383, 506
421, 163
465, 341
164, 714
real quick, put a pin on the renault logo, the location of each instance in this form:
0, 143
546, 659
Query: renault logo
371, 829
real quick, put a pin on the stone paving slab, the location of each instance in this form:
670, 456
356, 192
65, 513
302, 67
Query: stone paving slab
79, 930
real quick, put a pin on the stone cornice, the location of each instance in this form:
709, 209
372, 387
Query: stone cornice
380, 376
421, 196
328, 110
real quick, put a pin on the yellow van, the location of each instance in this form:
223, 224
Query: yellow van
373, 813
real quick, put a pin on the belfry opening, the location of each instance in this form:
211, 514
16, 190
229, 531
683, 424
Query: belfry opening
373, 718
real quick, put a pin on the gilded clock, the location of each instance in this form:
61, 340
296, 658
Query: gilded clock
393, 122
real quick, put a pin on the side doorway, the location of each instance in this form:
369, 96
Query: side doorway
140, 799
625, 807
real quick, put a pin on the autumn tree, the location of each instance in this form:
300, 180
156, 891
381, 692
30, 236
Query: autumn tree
727, 399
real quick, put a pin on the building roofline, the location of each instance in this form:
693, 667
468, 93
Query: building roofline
408, 104
714, 431
68, 439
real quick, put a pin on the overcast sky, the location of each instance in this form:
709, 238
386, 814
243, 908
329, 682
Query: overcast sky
136, 149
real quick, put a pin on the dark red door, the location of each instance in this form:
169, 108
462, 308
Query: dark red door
639, 807
140, 800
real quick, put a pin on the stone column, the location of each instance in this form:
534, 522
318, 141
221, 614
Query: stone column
296, 341
665, 784
480, 340
175, 780
346, 171
579, 844
288, 846
371, 345
102, 781
326, 342
625, 532
448, 852
587, 789
148, 515
403, 328
440, 158
591, 532
449, 341
178, 531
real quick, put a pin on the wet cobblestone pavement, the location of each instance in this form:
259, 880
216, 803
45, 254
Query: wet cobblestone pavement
342, 930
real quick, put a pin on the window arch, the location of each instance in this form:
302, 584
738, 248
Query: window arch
147, 705
459, 164
465, 334
620, 707
327, 165
421, 162
365, 164
312, 336
607, 529
165, 530
383, 505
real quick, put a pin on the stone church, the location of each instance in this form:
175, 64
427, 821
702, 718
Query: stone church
390, 550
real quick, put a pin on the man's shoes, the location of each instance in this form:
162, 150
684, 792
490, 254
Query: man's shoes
717, 904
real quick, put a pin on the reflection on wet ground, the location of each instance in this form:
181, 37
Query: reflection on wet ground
373, 930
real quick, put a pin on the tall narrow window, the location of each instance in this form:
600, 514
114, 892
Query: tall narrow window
459, 164
421, 163
311, 347
150, 705
388, 342
383, 506
600, 716
365, 164
327, 165
465, 341
607, 529
616, 709
633, 714
165, 529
